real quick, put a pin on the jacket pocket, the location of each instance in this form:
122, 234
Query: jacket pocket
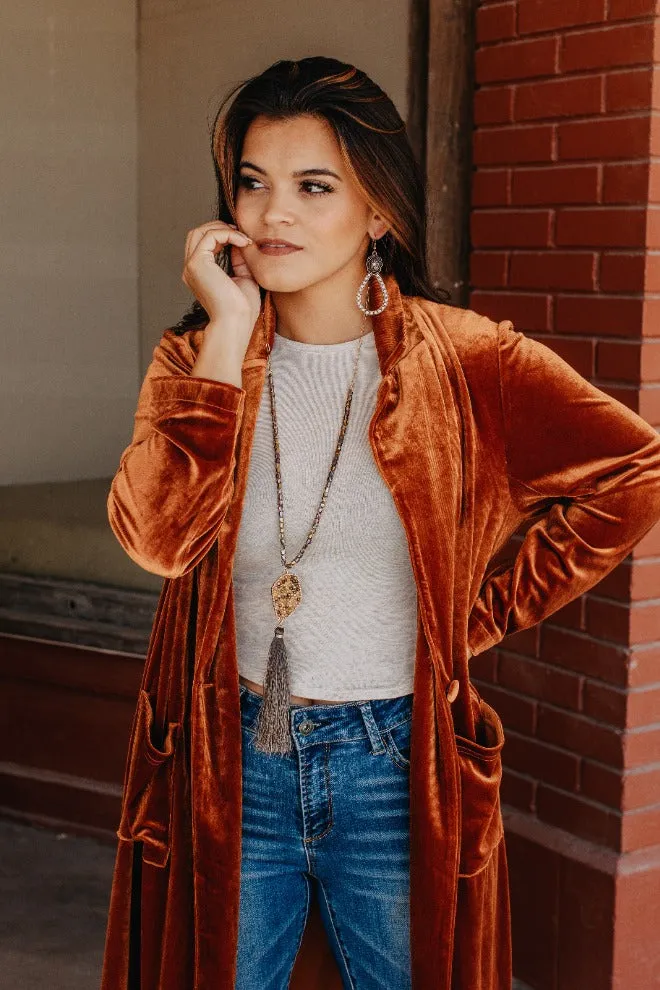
148, 790
480, 764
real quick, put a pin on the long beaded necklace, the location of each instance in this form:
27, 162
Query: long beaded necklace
272, 732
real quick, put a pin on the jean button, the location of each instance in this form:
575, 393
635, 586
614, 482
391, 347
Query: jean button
306, 727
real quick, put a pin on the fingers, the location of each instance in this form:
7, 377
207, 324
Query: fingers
238, 263
223, 233
212, 239
198, 234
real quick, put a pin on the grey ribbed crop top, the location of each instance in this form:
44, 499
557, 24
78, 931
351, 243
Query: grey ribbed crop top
353, 636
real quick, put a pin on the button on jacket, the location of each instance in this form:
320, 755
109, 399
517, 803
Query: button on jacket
477, 428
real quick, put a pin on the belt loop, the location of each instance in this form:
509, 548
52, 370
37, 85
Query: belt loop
375, 738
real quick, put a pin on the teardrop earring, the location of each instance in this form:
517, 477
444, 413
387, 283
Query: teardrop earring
374, 267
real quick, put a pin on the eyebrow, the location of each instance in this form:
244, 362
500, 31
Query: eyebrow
305, 171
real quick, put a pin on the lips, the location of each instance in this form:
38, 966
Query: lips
276, 242
276, 248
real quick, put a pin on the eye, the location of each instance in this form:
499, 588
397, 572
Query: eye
324, 188
246, 180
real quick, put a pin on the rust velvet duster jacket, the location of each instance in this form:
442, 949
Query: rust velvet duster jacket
477, 429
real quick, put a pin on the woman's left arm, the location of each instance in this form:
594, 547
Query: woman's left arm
587, 459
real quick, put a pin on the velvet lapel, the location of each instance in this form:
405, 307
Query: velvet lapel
419, 437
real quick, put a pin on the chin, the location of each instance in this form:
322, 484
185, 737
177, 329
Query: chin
283, 281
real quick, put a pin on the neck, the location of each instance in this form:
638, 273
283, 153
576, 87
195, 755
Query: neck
324, 313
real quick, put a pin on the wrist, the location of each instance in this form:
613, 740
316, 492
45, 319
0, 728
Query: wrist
221, 357
225, 337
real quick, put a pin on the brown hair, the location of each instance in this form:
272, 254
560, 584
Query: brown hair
373, 143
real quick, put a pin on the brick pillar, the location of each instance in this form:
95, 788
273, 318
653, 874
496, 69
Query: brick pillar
566, 242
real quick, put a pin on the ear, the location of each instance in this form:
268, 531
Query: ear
377, 227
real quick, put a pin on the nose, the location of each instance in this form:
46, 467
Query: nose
276, 210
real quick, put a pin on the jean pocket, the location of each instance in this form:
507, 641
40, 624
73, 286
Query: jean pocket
480, 763
148, 789
396, 740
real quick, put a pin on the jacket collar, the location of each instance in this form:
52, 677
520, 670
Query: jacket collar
390, 333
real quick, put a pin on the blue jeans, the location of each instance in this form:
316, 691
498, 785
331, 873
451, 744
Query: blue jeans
334, 812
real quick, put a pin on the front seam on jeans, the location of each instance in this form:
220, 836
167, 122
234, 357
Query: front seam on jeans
305, 842
302, 930
326, 771
334, 928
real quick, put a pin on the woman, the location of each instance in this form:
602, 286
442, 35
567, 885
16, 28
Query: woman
276, 748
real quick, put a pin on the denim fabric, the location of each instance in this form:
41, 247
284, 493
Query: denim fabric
333, 812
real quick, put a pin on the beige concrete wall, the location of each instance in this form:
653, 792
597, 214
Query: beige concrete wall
191, 53
105, 167
69, 361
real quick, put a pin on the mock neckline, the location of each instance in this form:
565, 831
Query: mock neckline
368, 340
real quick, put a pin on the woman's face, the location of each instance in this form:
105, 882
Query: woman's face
324, 214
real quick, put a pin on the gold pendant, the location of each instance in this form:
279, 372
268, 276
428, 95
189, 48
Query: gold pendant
287, 595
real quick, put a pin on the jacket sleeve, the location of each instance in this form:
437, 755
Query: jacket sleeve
175, 480
585, 465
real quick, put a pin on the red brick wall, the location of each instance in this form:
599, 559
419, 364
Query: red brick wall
565, 232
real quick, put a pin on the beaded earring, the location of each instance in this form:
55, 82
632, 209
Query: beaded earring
374, 267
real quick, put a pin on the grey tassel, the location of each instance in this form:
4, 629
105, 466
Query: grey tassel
273, 734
